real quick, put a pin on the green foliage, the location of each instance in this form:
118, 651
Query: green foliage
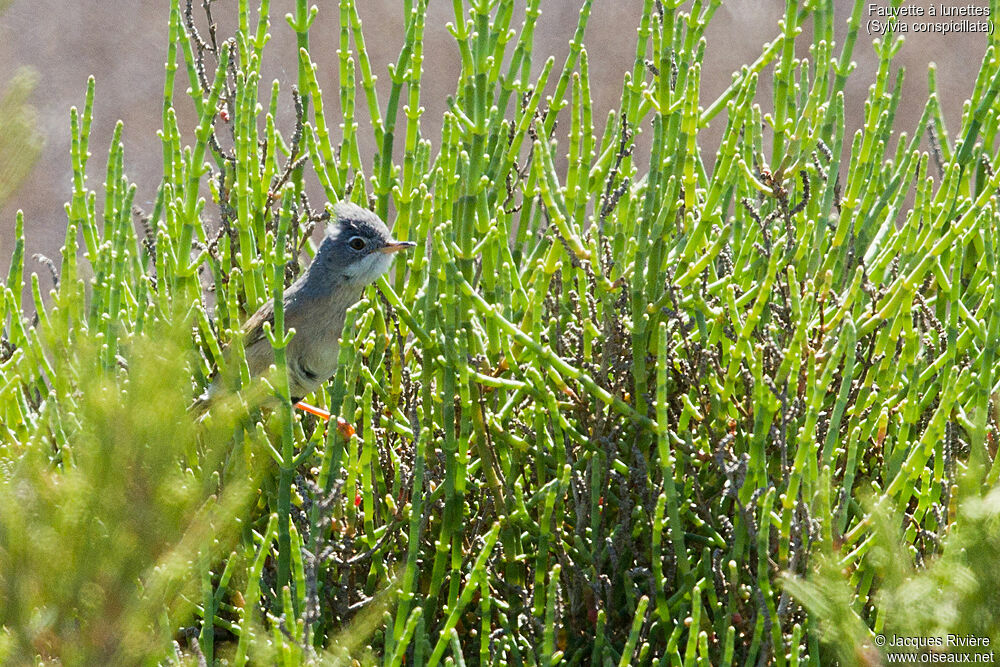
98, 534
595, 417
20, 141
948, 599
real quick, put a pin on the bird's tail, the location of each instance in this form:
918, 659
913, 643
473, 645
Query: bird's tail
204, 402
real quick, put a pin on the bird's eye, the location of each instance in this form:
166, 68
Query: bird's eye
357, 243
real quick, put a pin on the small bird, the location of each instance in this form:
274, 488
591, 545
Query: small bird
357, 249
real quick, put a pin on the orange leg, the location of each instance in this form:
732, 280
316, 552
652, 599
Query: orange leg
319, 412
346, 430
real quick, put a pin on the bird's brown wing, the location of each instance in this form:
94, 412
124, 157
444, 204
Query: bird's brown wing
253, 328
253, 334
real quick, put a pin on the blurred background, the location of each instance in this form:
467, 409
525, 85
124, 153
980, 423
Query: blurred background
123, 44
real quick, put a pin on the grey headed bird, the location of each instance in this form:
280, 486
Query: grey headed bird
357, 249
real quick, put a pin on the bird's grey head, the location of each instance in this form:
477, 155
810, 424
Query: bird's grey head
357, 249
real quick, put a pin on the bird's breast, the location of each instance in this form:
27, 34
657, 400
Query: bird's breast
314, 348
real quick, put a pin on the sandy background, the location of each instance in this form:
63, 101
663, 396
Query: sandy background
123, 44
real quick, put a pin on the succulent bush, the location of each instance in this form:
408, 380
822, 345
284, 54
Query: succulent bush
669, 407
20, 141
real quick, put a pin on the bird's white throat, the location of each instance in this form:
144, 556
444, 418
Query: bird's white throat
369, 268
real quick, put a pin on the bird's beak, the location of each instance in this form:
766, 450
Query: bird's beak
396, 246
